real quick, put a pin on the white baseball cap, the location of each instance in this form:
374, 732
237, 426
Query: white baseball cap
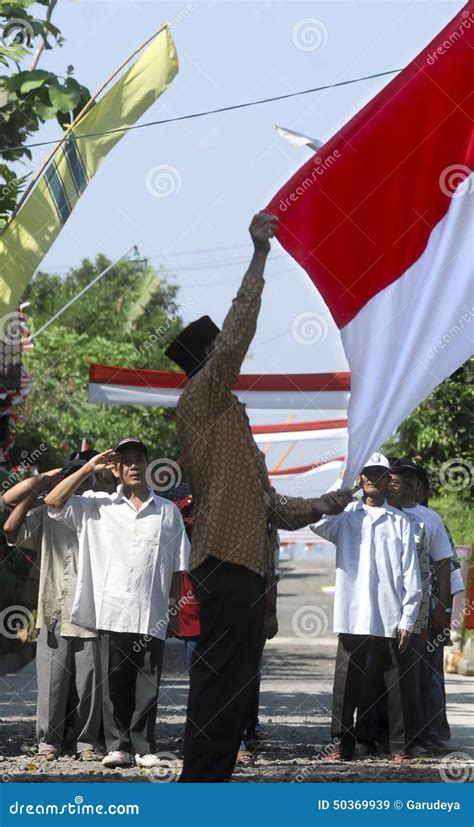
377, 461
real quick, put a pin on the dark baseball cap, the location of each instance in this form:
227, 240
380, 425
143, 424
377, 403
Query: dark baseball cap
72, 465
131, 442
87, 454
405, 464
409, 464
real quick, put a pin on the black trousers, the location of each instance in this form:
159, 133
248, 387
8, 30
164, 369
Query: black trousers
131, 670
226, 662
373, 712
351, 665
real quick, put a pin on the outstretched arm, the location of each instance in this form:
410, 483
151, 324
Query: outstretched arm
240, 324
292, 513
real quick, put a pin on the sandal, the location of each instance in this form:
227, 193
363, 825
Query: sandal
244, 755
90, 755
337, 754
47, 755
400, 758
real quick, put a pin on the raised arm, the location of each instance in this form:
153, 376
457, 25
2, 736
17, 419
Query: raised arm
17, 517
31, 486
240, 324
61, 493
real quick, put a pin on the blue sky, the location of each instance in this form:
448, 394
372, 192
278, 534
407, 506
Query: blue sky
228, 165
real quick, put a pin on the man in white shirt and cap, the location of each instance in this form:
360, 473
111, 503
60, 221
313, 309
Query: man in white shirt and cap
132, 547
377, 598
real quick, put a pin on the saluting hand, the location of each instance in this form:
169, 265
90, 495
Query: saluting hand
104, 461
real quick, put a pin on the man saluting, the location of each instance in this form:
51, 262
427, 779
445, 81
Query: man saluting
237, 514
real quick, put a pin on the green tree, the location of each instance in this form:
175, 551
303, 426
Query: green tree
440, 432
29, 97
127, 319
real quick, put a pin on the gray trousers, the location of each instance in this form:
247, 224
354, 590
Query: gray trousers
66, 665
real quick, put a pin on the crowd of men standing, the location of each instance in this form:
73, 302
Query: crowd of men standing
115, 557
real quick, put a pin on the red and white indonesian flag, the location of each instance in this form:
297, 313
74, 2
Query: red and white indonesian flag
382, 221
138, 386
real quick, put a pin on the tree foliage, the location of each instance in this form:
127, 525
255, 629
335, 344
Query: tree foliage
28, 97
440, 432
127, 319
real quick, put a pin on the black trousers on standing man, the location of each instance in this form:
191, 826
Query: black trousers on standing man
226, 661
131, 669
399, 682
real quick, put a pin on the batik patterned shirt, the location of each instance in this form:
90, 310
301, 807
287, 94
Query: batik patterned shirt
236, 512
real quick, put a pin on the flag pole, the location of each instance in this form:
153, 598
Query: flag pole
79, 295
76, 120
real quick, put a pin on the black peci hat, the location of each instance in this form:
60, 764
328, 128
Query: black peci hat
188, 349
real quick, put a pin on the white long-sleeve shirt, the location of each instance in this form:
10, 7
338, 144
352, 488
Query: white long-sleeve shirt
126, 561
378, 583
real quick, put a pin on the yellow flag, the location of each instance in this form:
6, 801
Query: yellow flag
39, 221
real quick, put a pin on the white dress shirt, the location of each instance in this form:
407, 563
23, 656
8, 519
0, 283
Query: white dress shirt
378, 583
126, 560
439, 546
